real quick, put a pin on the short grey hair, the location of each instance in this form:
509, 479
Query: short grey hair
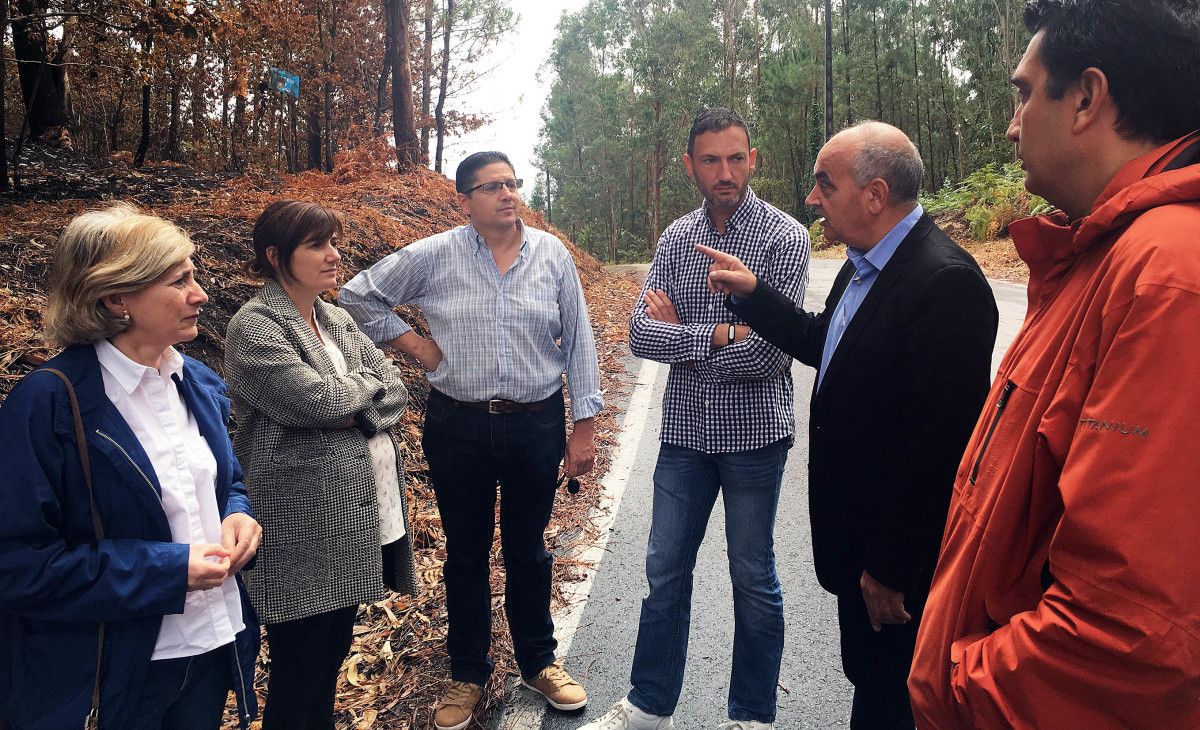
898, 166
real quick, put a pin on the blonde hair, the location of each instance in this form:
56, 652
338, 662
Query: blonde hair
104, 252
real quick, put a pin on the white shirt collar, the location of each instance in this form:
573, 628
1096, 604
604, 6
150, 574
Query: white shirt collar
129, 374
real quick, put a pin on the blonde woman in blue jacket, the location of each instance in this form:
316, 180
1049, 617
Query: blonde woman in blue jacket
162, 578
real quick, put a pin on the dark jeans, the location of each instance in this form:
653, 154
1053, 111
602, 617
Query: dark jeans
184, 694
306, 655
469, 451
877, 664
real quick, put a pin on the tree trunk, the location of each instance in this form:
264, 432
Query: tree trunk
314, 137
729, 40
328, 36
385, 73
237, 132
3, 86
656, 173
45, 101
916, 70
139, 157
828, 69
440, 110
408, 151
173, 126
875, 60
757, 50
426, 80
847, 86
612, 226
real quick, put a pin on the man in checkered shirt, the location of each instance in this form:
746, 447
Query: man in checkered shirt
727, 428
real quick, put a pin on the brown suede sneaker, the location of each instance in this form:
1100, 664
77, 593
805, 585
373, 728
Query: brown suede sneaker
562, 692
457, 706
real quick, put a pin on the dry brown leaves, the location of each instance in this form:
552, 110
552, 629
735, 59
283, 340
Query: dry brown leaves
397, 667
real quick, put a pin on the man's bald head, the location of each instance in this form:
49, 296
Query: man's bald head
882, 151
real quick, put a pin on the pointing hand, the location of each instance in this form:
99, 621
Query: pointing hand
727, 274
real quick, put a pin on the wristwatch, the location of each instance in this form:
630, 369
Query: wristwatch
732, 333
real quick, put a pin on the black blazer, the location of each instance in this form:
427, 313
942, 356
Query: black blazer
893, 414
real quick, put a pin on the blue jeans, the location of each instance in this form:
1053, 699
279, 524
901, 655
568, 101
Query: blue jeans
686, 483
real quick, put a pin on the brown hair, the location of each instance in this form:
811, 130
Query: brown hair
286, 225
112, 251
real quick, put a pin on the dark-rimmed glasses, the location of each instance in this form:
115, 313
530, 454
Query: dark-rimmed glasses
491, 188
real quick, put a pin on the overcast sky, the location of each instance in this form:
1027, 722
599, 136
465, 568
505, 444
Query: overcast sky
514, 93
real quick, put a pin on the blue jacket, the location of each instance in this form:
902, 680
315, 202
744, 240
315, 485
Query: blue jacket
55, 586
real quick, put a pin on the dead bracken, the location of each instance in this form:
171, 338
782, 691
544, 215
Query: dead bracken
397, 666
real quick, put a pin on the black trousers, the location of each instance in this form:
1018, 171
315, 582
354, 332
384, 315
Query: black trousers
306, 655
469, 451
877, 665
184, 694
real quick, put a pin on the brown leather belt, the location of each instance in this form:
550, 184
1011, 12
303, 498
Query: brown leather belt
498, 406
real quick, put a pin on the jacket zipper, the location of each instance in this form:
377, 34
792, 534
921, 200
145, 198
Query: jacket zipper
242, 703
120, 448
1009, 387
242, 706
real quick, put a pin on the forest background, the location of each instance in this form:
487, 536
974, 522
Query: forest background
190, 81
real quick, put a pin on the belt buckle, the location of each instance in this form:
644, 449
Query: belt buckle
495, 406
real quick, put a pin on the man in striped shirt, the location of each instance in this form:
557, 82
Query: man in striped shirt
727, 428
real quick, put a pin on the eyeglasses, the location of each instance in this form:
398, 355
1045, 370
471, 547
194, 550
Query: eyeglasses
492, 188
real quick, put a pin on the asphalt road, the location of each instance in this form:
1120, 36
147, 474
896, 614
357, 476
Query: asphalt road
600, 634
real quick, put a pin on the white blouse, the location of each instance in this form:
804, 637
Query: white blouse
150, 403
383, 460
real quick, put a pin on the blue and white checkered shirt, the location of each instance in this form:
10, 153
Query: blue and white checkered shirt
737, 397
499, 335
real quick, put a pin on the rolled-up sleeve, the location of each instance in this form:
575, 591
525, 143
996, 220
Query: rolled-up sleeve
372, 295
579, 345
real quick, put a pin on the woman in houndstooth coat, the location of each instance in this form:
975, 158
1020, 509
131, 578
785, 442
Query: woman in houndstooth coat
313, 399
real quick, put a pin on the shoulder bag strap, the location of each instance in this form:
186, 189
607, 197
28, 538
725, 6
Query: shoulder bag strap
92, 722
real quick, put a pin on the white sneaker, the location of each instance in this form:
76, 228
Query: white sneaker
745, 725
625, 716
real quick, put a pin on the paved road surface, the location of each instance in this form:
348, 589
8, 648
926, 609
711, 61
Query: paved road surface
601, 632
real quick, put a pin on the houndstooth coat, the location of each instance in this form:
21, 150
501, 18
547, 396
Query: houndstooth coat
309, 477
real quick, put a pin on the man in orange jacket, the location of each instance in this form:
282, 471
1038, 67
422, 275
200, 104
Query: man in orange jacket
1067, 593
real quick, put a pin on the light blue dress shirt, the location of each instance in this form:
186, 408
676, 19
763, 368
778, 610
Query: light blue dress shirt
509, 337
867, 264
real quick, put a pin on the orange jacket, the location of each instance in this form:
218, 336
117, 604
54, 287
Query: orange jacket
1067, 593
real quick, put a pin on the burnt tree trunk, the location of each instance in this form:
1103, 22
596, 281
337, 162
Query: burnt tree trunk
440, 110
408, 151
45, 99
139, 157
314, 137
381, 95
3, 86
427, 80
173, 140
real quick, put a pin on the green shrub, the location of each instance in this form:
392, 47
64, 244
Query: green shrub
988, 199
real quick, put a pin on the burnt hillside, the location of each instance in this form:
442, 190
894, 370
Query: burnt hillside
397, 666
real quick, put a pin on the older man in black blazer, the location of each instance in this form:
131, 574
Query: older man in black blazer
903, 351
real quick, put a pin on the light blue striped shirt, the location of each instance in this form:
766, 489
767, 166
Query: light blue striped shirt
508, 337
867, 264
